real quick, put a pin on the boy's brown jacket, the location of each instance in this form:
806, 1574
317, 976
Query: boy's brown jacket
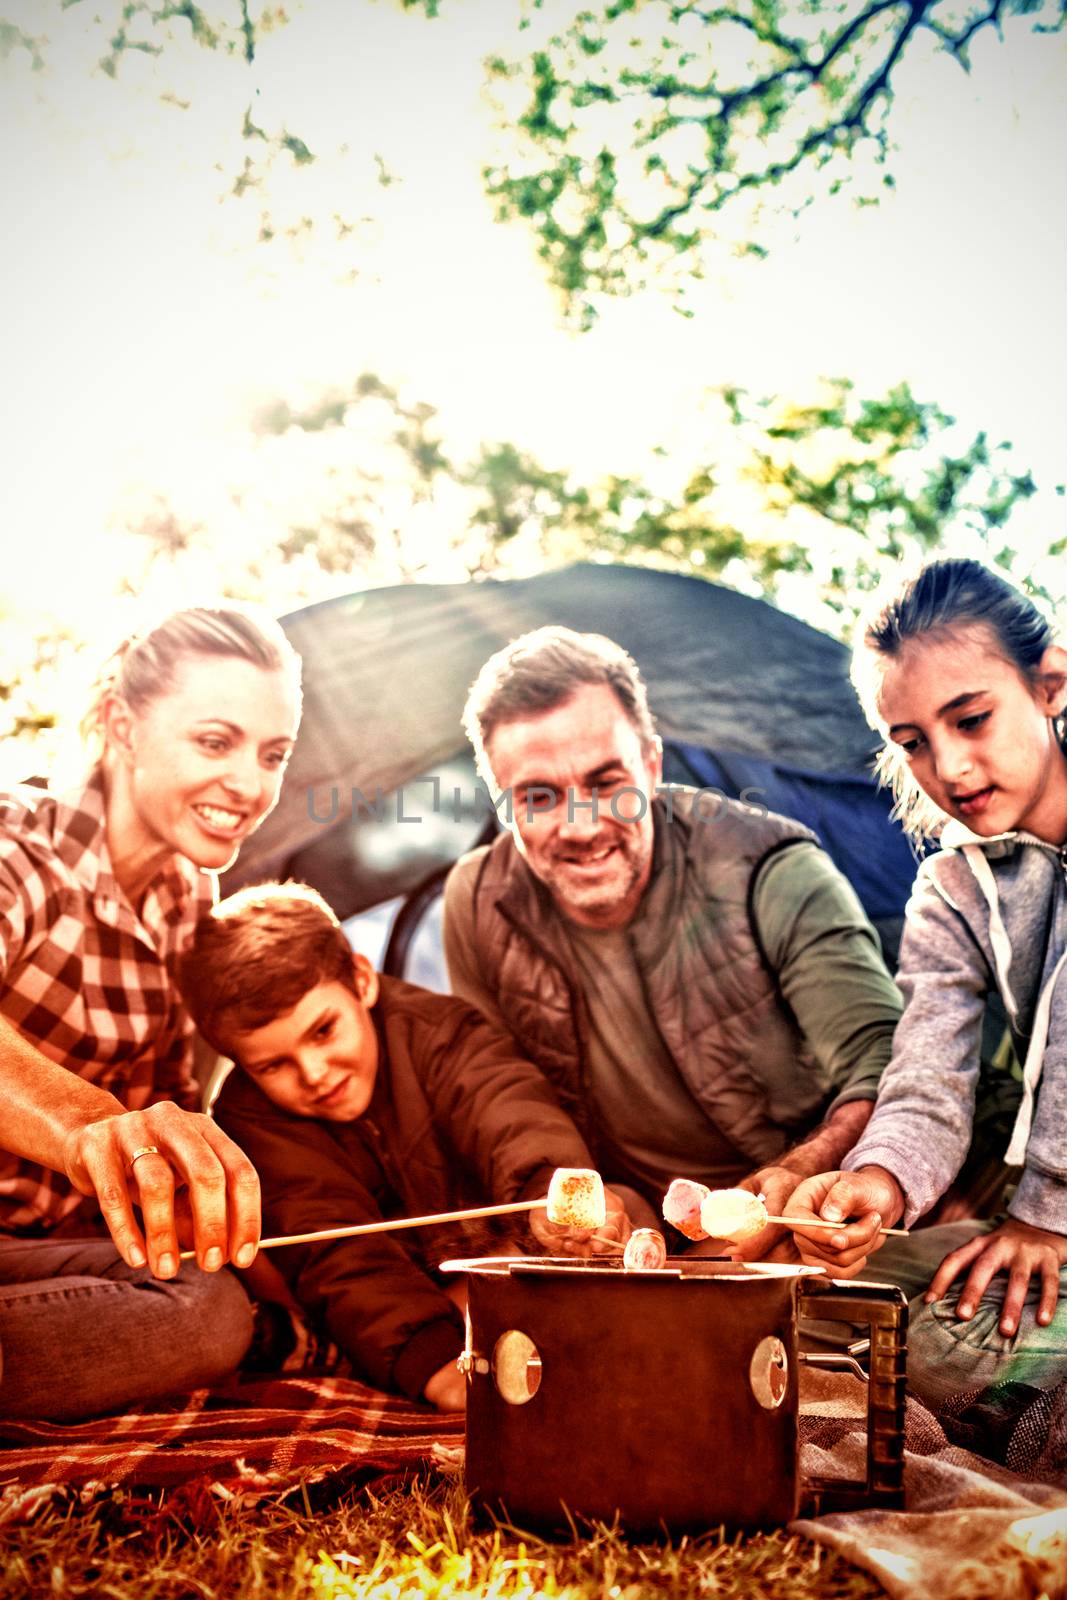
457, 1118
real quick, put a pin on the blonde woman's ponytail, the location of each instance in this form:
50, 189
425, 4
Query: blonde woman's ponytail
148, 665
108, 681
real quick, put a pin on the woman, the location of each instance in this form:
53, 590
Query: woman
99, 892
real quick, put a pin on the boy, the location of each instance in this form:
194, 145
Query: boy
361, 1097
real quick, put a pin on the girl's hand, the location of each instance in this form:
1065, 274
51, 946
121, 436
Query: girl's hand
871, 1197
1017, 1248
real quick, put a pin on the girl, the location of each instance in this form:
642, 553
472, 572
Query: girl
961, 675
99, 893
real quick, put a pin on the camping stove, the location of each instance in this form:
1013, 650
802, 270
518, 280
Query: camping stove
666, 1397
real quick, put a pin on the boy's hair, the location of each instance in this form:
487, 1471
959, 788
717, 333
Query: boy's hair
542, 670
256, 955
941, 596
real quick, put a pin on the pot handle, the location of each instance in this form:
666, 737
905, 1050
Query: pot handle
884, 1309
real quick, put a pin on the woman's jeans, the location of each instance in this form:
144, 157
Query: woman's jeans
81, 1333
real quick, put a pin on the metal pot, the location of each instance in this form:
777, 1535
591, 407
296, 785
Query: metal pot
666, 1398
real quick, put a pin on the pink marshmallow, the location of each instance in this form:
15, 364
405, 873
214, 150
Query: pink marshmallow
681, 1207
646, 1251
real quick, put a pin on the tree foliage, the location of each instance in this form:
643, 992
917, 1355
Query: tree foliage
807, 505
167, 49
856, 486
643, 127
125, 28
642, 123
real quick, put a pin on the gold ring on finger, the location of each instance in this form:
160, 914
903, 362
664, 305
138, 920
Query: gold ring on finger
145, 1150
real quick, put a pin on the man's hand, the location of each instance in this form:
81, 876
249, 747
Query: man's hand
447, 1389
1020, 1250
195, 1175
562, 1241
862, 1202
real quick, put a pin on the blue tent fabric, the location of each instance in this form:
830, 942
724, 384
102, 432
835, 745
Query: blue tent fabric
850, 815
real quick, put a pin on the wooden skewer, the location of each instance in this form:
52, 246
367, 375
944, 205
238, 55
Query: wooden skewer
395, 1222
820, 1222
471, 1214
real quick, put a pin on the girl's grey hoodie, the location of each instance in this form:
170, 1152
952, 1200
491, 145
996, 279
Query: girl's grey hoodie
984, 914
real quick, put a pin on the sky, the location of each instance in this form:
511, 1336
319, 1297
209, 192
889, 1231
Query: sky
145, 326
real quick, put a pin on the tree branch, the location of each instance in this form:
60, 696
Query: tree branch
826, 96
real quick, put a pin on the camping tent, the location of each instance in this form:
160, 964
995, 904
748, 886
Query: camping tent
744, 695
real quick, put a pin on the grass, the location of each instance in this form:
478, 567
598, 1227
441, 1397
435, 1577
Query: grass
391, 1542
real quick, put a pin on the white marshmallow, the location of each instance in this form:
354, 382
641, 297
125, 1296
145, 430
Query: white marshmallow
732, 1214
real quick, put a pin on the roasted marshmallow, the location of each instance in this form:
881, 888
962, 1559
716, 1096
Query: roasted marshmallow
576, 1199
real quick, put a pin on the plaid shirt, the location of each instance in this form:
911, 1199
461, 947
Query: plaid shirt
85, 979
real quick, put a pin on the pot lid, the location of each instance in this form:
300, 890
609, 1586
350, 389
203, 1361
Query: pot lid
698, 1268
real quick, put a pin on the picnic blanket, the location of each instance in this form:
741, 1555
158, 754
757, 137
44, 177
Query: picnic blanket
973, 1529
250, 1437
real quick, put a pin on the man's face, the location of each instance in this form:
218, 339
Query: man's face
595, 866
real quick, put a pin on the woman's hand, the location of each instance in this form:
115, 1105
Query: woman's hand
871, 1198
447, 1389
566, 1241
1020, 1250
193, 1181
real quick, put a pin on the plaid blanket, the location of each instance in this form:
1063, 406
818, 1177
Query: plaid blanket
973, 1529
266, 1434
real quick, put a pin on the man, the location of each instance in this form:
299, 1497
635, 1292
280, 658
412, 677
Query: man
692, 974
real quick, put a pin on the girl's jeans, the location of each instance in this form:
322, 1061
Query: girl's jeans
81, 1333
948, 1357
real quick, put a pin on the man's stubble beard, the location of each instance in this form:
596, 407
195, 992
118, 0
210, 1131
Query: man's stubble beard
629, 866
